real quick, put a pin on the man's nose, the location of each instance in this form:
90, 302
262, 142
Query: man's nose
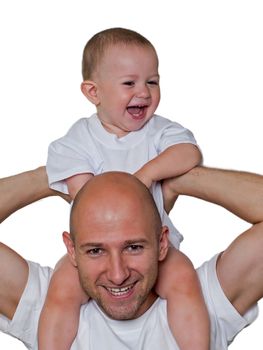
118, 270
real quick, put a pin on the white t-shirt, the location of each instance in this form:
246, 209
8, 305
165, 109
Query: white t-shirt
89, 148
148, 332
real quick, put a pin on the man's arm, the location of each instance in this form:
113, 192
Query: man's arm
23, 189
239, 192
13, 279
240, 267
16, 192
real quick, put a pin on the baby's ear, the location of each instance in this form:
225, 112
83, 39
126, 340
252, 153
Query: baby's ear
89, 89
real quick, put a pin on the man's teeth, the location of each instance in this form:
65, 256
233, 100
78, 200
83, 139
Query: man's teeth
119, 291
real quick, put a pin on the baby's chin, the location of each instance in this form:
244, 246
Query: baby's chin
137, 122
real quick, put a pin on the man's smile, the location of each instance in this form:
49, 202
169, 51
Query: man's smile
120, 291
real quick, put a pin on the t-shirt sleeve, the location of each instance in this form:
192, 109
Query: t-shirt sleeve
24, 324
70, 155
169, 133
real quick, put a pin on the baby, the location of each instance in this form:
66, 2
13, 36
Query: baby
120, 77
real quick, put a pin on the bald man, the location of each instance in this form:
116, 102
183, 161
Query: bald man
116, 242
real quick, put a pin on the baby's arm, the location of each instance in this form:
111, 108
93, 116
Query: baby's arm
174, 161
187, 313
75, 183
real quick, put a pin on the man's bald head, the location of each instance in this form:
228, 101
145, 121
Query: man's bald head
116, 242
110, 196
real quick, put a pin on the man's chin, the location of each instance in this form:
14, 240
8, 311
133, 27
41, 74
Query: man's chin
120, 313
126, 308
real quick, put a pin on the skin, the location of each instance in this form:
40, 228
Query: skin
117, 257
127, 77
16, 192
125, 90
239, 268
31, 185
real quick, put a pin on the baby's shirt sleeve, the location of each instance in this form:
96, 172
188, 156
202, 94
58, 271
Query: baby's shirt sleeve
72, 154
168, 133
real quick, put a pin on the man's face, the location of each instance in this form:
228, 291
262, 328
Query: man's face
117, 252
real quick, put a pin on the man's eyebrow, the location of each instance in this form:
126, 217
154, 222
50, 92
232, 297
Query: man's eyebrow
91, 245
100, 244
135, 241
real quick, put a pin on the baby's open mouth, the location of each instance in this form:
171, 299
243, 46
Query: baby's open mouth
136, 111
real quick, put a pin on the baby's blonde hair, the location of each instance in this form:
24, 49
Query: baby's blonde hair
97, 45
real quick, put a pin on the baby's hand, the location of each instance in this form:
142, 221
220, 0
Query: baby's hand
142, 176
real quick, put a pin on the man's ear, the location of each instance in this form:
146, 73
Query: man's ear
163, 243
70, 248
89, 89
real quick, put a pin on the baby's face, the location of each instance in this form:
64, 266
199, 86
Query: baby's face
127, 88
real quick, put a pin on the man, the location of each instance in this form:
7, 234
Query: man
116, 242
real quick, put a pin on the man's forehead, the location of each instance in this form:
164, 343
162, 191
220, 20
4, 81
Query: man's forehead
113, 233
110, 198
97, 222
108, 202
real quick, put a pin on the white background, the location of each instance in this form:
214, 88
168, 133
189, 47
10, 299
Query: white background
212, 82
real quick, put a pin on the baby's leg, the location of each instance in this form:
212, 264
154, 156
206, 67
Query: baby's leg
58, 323
187, 313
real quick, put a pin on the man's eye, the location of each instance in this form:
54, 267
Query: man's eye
128, 83
94, 251
135, 248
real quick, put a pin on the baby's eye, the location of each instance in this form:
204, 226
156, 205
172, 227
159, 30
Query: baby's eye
129, 83
153, 82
